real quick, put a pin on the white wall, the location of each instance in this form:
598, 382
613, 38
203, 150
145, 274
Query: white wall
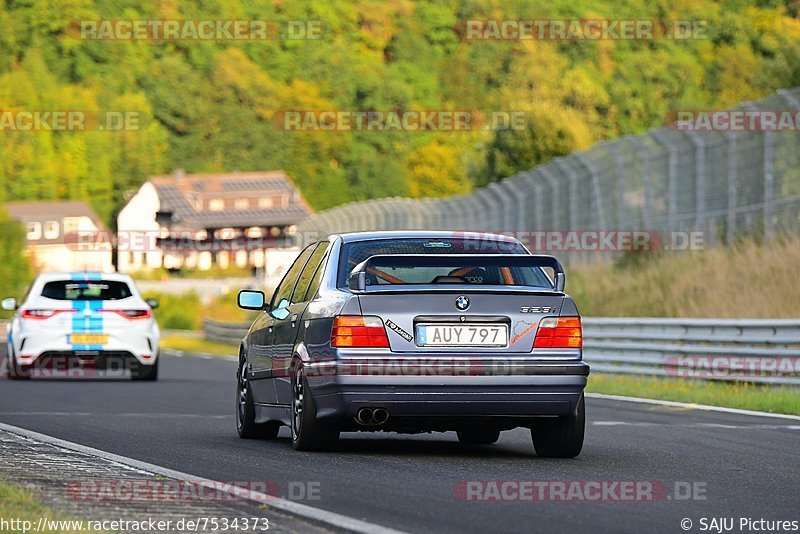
137, 230
60, 258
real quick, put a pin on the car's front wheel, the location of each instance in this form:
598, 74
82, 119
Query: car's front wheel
246, 426
308, 434
560, 437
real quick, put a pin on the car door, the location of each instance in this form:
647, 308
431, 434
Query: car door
286, 328
261, 350
278, 310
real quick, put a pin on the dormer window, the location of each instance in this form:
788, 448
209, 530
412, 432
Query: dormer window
51, 230
216, 204
34, 230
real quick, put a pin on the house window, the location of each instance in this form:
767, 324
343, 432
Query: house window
241, 204
73, 224
34, 230
51, 230
265, 203
216, 204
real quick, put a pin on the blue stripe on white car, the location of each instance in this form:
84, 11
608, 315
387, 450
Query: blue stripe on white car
88, 319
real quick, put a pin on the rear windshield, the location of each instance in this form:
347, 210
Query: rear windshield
356, 252
86, 290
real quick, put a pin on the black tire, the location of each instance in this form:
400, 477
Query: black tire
308, 434
246, 426
148, 373
560, 437
14, 371
480, 436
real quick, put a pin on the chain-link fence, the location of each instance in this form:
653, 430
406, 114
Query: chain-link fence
714, 184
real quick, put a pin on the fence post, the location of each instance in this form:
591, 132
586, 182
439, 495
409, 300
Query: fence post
573, 199
699, 179
672, 191
556, 215
644, 155
766, 167
732, 177
598, 198
616, 153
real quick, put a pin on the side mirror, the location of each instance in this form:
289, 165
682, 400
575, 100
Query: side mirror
249, 299
153, 303
9, 304
561, 281
357, 281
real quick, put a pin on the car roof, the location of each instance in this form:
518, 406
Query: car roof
422, 234
83, 275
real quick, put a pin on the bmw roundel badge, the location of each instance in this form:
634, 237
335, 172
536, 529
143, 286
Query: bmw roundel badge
462, 303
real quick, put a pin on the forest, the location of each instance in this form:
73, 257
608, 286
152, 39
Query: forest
211, 104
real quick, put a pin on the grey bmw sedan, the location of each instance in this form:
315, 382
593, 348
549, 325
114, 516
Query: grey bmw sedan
415, 332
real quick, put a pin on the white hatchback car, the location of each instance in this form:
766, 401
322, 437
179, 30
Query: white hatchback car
83, 324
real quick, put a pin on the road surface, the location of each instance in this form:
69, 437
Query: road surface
733, 465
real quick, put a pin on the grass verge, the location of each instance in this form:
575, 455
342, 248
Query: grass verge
746, 279
18, 504
197, 345
762, 398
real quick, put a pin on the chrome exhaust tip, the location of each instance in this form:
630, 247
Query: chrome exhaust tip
365, 416
380, 416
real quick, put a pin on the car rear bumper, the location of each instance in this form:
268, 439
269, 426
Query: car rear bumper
83, 363
495, 388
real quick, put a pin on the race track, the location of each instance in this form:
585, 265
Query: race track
745, 465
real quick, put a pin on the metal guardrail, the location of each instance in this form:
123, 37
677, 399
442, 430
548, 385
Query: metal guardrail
224, 332
748, 350
751, 350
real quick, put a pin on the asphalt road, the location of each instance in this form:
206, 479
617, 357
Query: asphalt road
743, 466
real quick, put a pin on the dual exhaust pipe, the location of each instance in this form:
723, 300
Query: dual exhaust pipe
372, 416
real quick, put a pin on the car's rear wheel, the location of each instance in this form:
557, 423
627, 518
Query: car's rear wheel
308, 434
145, 372
560, 437
16, 371
246, 426
479, 436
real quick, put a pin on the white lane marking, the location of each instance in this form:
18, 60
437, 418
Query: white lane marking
697, 425
123, 414
201, 355
295, 508
692, 406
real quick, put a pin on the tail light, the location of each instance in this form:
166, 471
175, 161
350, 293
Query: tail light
43, 314
132, 314
559, 333
358, 331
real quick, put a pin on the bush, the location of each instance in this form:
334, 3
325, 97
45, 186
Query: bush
178, 312
15, 267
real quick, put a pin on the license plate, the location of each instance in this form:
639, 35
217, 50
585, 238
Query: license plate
462, 335
88, 339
